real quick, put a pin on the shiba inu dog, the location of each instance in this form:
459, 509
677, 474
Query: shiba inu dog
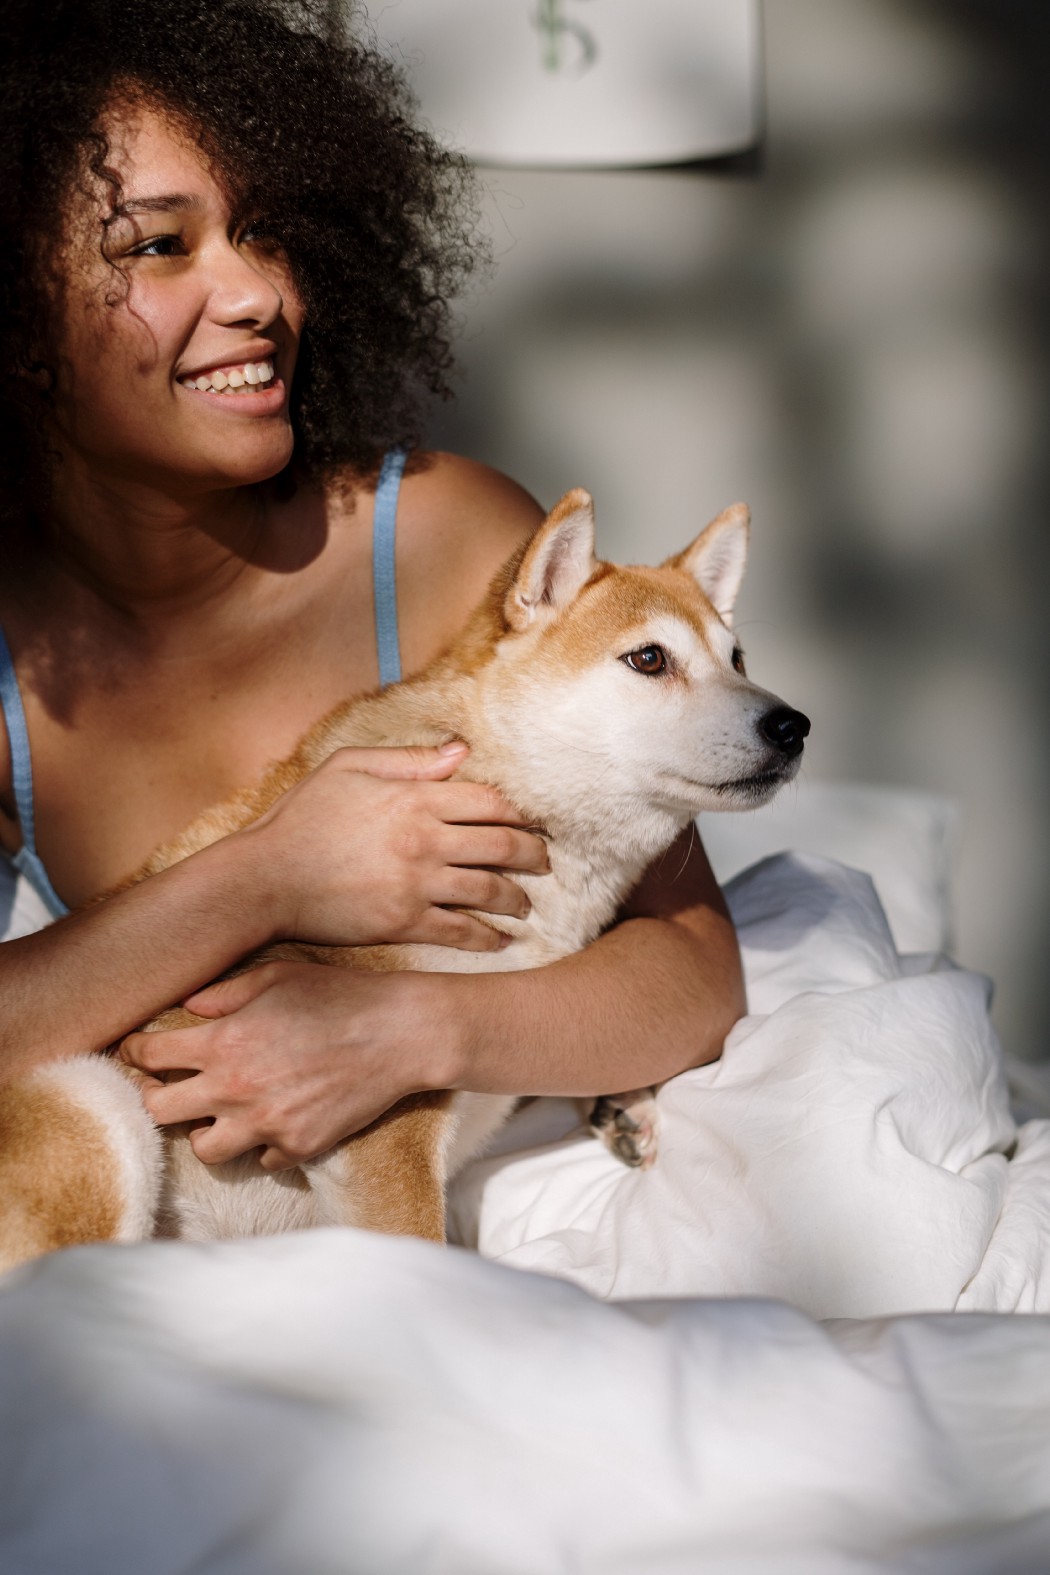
611, 705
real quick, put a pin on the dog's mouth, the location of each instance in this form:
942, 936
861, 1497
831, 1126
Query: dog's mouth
758, 787
741, 793
745, 792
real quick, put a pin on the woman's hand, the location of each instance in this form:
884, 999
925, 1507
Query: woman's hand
296, 1057
374, 846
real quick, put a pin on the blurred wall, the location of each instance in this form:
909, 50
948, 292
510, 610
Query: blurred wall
851, 339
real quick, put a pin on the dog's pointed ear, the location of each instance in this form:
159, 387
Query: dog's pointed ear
558, 562
718, 557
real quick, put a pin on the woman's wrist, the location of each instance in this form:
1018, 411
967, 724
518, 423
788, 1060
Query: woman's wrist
247, 877
474, 1019
446, 1007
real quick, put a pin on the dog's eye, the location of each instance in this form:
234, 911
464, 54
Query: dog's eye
648, 659
738, 661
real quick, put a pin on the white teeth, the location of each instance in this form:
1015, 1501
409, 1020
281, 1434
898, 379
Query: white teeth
251, 375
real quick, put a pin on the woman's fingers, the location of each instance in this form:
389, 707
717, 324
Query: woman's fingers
169, 1103
463, 802
485, 890
450, 927
275, 1159
473, 803
168, 1050
410, 762
495, 847
222, 1140
230, 995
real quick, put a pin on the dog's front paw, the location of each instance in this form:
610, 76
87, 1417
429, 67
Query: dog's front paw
627, 1125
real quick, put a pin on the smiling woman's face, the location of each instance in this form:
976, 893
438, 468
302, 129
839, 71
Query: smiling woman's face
176, 377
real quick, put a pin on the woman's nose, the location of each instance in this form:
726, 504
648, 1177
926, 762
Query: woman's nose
241, 293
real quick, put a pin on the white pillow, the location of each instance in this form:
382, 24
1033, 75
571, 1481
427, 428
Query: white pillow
907, 841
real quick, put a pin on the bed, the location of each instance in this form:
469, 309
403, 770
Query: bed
794, 1345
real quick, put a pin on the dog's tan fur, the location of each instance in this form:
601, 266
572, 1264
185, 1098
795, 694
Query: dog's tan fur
52, 1204
533, 685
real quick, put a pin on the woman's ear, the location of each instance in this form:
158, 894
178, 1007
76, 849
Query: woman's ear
718, 557
558, 562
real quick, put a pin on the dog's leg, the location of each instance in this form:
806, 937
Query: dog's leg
80, 1160
626, 1124
391, 1176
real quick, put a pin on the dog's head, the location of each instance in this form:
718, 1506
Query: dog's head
629, 682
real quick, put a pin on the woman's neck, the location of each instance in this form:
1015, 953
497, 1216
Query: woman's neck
150, 558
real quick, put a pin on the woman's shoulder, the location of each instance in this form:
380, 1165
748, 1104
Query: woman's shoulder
457, 522
466, 504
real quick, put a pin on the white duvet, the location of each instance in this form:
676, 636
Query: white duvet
339, 1402
848, 1153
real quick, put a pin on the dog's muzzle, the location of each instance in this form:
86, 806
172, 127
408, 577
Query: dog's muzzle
785, 730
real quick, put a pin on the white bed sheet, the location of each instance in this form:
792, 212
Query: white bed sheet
338, 1402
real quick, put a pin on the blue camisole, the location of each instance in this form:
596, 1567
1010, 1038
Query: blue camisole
384, 587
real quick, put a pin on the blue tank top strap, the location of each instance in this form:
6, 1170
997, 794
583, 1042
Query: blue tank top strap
384, 583
384, 575
27, 860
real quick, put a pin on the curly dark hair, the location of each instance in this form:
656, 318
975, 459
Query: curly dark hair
307, 128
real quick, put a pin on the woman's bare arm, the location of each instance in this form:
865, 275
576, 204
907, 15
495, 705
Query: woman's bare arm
654, 995
331, 862
297, 1057
81, 983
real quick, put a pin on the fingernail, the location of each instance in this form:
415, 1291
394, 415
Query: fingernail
504, 942
455, 746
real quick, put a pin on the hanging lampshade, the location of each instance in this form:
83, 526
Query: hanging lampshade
562, 83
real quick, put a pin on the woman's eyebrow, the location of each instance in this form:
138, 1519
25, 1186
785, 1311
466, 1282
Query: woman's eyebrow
173, 203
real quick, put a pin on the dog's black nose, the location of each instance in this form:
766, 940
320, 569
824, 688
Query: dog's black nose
785, 729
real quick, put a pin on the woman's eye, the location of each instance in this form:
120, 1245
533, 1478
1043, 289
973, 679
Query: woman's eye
738, 661
159, 246
648, 659
260, 234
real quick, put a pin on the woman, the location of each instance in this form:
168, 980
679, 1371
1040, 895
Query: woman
228, 260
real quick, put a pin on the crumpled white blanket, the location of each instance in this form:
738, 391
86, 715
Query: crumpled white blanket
342, 1404
848, 1153
336, 1402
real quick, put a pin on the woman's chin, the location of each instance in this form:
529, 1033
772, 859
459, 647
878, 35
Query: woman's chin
248, 467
